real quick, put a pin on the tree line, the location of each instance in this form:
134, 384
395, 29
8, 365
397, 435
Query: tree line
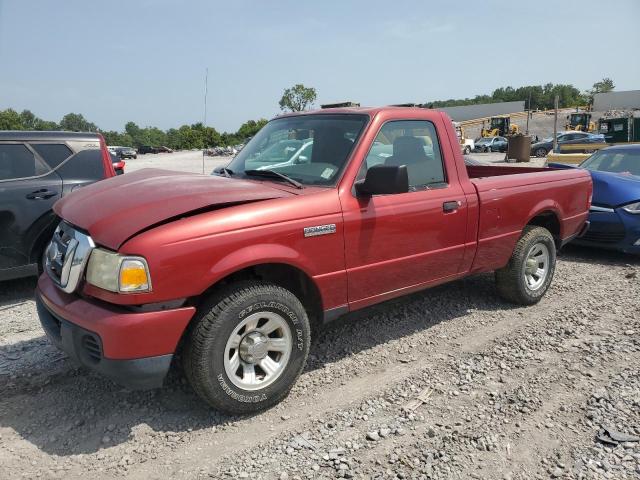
196, 135
296, 98
542, 96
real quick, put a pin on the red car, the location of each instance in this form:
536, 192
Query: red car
231, 269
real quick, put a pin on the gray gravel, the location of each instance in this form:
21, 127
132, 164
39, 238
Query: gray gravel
447, 383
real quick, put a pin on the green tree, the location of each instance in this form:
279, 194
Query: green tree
10, 120
297, 98
75, 122
250, 128
603, 86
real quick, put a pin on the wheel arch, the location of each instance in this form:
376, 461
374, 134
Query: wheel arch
282, 273
549, 219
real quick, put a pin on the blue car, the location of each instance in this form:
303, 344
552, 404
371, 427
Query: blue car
615, 209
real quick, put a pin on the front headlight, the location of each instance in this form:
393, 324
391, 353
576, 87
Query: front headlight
118, 273
632, 208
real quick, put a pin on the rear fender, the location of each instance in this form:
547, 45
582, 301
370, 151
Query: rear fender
545, 207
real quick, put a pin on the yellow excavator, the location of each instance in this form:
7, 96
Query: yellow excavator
500, 126
581, 122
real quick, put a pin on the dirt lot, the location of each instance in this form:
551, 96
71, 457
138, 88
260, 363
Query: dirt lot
447, 383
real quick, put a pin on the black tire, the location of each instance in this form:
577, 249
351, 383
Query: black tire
467, 150
511, 280
217, 320
541, 152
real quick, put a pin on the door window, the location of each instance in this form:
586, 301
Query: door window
413, 143
17, 161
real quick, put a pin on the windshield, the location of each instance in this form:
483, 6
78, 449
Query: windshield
614, 161
311, 149
483, 141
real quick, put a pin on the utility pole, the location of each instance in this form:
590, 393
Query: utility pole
204, 123
555, 123
528, 113
206, 86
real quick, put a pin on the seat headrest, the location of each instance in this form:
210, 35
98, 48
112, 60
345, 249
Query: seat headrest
408, 149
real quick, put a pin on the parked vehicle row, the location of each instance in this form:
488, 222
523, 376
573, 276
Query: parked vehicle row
233, 268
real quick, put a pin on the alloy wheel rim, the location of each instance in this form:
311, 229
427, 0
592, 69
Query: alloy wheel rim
536, 266
258, 350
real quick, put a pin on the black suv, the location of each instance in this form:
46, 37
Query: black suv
147, 149
36, 169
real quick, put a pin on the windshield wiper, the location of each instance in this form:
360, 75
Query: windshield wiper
273, 174
226, 171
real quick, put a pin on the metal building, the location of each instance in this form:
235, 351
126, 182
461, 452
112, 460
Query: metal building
625, 100
470, 112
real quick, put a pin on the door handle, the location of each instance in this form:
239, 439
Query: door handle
451, 206
41, 194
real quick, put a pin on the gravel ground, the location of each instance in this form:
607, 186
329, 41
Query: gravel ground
447, 383
184, 161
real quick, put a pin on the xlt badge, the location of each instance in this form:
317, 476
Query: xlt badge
319, 230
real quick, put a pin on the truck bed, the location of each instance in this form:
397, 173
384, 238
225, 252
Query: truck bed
482, 171
509, 197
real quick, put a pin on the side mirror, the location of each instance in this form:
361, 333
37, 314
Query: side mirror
384, 179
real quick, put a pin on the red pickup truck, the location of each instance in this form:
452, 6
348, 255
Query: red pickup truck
320, 214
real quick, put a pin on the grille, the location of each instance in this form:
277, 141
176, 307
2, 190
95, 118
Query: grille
66, 256
604, 237
92, 347
58, 249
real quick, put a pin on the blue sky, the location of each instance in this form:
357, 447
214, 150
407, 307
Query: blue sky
144, 60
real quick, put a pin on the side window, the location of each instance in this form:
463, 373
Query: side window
52, 153
85, 165
413, 143
17, 161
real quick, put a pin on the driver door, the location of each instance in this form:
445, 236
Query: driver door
397, 242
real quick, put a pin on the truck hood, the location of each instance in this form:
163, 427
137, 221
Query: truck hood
614, 189
115, 209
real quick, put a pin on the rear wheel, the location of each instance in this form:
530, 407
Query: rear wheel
467, 150
247, 347
527, 276
541, 152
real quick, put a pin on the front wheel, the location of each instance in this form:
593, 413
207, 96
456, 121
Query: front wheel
467, 150
247, 347
527, 276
